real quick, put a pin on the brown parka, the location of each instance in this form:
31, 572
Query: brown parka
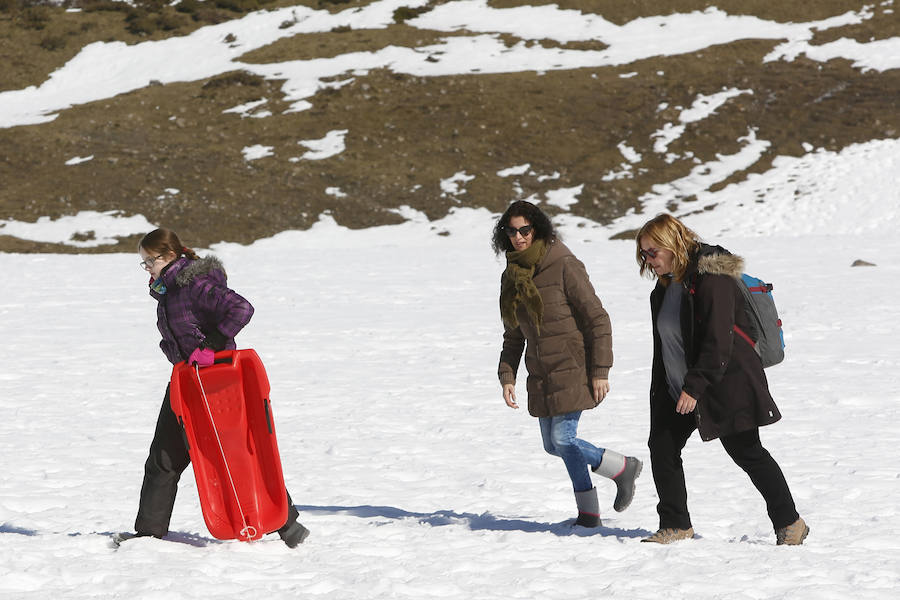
725, 375
574, 344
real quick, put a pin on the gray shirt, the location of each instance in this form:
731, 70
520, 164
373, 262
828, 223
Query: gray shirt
669, 325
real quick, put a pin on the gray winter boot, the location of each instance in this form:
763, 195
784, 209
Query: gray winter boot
624, 471
588, 508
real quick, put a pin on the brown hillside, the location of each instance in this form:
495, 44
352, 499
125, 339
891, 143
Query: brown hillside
408, 133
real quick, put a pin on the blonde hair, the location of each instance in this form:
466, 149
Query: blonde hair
668, 233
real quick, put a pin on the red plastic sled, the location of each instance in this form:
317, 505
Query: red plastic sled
230, 432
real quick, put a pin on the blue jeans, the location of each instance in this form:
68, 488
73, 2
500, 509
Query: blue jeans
559, 436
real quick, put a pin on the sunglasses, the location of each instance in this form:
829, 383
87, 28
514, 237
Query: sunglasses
649, 253
524, 230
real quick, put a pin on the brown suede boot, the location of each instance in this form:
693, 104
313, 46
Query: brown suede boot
669, 535
793, 534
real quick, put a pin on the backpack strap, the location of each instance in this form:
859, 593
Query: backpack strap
748, 302
761, 289
744, 335
750, 308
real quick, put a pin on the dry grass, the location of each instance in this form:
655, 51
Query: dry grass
408, 133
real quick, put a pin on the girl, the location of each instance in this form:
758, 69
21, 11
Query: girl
197, 315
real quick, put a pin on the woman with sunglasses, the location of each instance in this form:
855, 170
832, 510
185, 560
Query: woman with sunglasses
551, 312
197, 315
705, 377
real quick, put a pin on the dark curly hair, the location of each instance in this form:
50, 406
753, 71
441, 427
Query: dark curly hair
543, 228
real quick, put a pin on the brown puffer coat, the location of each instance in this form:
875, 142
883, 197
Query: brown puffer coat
574, 344
725, 375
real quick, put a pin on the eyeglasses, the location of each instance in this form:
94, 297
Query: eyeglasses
147, 263
649, 253
524, 230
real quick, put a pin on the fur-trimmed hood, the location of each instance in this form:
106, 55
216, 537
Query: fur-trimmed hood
197, 307
183, 271
198, 268
715, 260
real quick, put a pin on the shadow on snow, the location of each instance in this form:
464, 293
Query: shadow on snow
190, 539
484, 521
7, 528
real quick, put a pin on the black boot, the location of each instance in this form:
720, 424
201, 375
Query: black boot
294, 534
588, 508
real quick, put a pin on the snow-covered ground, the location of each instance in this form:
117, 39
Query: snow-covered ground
381, 346
414, 477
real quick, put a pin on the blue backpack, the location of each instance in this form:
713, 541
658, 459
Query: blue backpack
766, 335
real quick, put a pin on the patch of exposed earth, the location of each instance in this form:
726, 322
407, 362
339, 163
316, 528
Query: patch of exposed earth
407, 134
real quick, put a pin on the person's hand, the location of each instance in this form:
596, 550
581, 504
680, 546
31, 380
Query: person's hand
686, 404
509, 395
601, 389
202, 357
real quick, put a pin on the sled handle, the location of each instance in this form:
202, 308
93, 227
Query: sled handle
187, 445
268, 415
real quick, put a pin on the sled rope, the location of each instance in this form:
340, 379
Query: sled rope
247, 531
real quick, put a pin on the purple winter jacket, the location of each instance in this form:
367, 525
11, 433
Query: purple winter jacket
198, 308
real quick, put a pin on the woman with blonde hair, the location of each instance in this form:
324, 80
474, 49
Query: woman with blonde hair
704, 377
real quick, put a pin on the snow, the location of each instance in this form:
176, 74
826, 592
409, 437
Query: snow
564, 197
630, 154
705, 106
381, 346
515, 170
105, 69
702, 107
854, 191
412, 474
248, 109
454, 185
77, 160
73, 230
257, 151
707, 174
878, 55
330, 145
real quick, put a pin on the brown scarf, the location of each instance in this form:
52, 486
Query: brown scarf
517, 285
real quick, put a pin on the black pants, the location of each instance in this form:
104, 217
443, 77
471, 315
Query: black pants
669, 432
167, 461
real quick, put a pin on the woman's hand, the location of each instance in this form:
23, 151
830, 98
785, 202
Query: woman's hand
601, 389
686, 404
509, 395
